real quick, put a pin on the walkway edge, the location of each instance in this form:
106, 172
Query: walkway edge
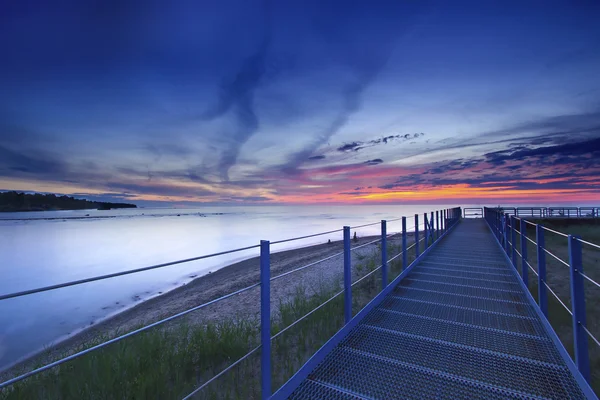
288, 388
584, 385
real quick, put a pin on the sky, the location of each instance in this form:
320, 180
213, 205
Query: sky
275, 102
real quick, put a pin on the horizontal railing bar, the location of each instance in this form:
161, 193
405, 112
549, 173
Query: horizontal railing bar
557, 232
558, 298
531, 240
588, 243
589, 279
306, 266
366, 244
189, 396
306, 237
367, 275
396, 256
592, 336
119, 338
307, 315
113, 275
564, 262
529, 222
362, 226
530, 267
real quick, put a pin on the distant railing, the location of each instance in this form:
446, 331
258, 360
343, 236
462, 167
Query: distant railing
434, 225
507, 227
473, 212
553, 212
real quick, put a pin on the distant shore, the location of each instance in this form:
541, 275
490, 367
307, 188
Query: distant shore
212, 286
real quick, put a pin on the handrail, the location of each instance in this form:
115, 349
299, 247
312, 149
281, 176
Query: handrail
119, 338
589, 279
553, 231
113, 275
307, 265
307, 236
306, 315
211, 380
450, 220
504, 228
555, 257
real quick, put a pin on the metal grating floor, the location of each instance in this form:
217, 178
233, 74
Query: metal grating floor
457, 327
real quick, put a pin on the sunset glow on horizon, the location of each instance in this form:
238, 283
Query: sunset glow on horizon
258, 102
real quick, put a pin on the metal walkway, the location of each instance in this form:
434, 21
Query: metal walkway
459, 325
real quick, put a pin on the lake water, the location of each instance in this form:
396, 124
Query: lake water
45, 248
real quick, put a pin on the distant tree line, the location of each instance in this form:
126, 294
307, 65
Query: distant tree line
15, 201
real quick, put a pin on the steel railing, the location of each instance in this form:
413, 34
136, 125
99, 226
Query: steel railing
553, 212
433, 226
506, 227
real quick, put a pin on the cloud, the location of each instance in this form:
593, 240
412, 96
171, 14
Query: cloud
570, 149
354, 146
319, 157
15, 163
238, 95
374, 161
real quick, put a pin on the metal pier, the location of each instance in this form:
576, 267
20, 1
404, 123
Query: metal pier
459, 325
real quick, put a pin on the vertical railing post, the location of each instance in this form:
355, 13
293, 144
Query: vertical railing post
404, 255
437, 225
578, 307
265, 319
541, 257
445, 223
524, 269
384, 265
347, 276
513, 238
507, 228
417, 235
432, 228
425, 231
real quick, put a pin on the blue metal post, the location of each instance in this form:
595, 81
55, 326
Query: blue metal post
404, 255
384, 266
541, 257
425, 231
505, 230
513, 233
446, 220
432, 229
437, 225
417, 235
347, 276
524, 269
265, 319
578, 307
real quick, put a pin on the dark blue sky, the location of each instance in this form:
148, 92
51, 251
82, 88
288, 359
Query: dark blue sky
301, 101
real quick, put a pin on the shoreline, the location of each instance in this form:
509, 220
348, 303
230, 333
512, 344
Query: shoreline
208, 287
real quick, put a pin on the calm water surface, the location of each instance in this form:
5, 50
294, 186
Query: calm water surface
45, 248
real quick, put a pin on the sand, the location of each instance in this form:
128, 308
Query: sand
217, 284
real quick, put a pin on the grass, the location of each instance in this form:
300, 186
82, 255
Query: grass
171, 361
558, 278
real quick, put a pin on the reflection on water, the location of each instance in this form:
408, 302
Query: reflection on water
45, 248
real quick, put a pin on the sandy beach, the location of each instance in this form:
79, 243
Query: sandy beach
223, 281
